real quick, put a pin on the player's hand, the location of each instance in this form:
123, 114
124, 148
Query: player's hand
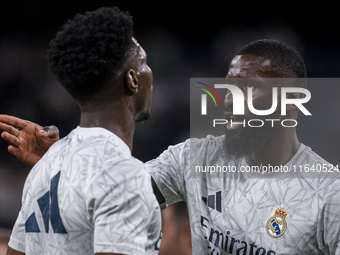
28, 141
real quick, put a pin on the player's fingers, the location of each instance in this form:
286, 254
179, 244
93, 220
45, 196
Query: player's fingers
11, 139
10, 129
13, 121
14, 151
51, 132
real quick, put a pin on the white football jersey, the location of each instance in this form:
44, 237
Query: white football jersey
88, 195
252, 213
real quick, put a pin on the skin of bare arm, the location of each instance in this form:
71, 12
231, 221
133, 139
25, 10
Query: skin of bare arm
10, 251
28, 141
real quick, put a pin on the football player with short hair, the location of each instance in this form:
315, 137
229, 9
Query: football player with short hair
88, 194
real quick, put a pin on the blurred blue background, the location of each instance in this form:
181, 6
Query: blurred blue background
183, 39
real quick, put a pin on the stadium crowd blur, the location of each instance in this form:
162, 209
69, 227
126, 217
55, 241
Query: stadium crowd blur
181, 41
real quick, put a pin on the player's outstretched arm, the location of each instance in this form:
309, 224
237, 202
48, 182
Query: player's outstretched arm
28, 141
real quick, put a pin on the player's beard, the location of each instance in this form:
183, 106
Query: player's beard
241, 144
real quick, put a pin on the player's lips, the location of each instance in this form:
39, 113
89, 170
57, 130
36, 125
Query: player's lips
234, 122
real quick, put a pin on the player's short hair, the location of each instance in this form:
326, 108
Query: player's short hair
285, 59
90, 49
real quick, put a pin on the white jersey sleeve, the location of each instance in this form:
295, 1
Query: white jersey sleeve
116, 202
168, 172
17, 240
328, 234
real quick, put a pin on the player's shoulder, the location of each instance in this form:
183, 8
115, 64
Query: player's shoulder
206, 142
313, 165
310, 156
89, 151
199, 143
192, 146
205, 147
94, 141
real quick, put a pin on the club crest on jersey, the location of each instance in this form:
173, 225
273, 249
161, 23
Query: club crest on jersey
277, 225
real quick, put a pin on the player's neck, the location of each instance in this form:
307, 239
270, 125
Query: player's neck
113, 116
279, 150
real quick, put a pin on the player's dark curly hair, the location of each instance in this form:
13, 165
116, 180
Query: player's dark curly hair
90, 49
285, 59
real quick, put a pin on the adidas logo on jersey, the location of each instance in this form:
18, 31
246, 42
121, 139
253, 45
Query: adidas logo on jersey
214, 201
49, 208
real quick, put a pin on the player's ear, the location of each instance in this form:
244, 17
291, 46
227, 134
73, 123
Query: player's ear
131, 82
